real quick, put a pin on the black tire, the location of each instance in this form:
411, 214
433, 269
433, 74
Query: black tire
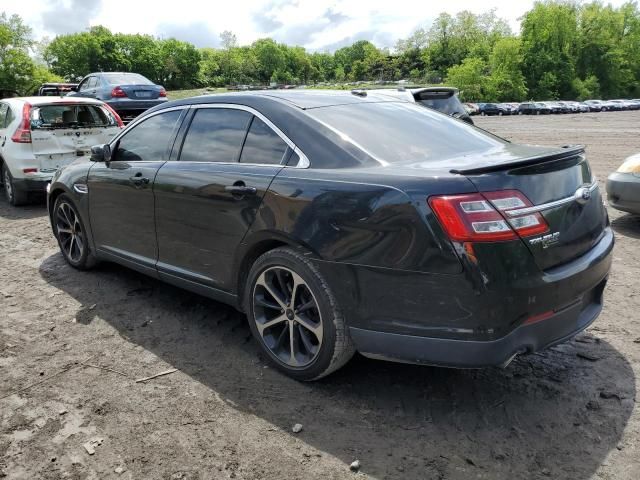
14, 196
70, 232
333, 348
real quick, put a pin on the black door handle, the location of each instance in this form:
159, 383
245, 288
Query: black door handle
138, 179
240, 190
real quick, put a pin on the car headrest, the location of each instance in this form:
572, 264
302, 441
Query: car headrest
68, 116
84, 117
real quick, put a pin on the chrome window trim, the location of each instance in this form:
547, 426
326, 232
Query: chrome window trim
303, 161
550, 205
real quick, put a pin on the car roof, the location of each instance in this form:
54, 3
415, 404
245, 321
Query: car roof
44, 100
303, 99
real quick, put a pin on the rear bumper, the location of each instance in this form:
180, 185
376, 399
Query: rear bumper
623, 192
476, 354
31, 185
126, 105
450, 320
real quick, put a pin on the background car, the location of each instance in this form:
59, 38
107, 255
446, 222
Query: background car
335, 220
472, 108
129, 94
532, 108
55, 89
623, 186
38, 135
441, 99
596, 105
494, 109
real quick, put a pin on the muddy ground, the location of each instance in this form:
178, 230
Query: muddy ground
570, 412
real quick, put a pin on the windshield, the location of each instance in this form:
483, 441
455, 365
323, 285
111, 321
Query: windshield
126, 79
398, 132
71, 116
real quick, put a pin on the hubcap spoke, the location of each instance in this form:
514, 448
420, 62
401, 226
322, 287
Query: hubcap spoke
292, 347
263, 326
287, 316
277, 296
315, 329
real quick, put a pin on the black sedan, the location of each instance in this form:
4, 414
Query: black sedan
532, 108
342, 222
494, 109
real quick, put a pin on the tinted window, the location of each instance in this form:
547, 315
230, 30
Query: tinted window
149, 140
263, 145
126, 79
215, 135
398, 132
445, 102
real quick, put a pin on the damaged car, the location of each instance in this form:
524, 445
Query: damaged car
39, 135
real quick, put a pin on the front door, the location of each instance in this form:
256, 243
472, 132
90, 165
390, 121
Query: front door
206, 201
120, 192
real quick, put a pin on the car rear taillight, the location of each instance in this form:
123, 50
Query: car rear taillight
163, 92
481, 217
115, 115
23, 132
118, 92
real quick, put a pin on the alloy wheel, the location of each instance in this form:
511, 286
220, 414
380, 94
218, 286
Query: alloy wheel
69, 232
287, 316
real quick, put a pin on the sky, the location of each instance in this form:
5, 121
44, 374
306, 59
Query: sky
317, 25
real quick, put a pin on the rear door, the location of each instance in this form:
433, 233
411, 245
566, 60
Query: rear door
62, 132
567, 196
121, 200
206, 201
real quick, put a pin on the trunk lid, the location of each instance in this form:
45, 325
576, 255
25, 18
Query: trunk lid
142, 92
60, 133
559, 181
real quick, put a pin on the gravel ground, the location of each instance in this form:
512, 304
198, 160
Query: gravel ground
72, 345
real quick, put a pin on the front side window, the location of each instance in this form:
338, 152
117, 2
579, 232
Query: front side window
215, 135
149, 140
262, 145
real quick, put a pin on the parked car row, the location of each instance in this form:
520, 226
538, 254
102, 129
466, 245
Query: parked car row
548, 107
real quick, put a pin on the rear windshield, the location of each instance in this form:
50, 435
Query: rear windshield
445, 102
71, 116
126, 79
397, 132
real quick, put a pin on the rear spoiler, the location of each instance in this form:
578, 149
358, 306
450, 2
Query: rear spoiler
567, 152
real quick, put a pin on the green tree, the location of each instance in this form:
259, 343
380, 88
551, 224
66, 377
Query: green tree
469, 77
549, 36
506, 81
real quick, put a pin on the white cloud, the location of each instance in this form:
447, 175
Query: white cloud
314, 24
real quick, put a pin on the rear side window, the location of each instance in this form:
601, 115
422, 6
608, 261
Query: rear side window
150, 140
71, 116
402, 132
215, 135
262, 145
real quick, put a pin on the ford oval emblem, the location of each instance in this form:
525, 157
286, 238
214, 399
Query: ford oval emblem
582, 195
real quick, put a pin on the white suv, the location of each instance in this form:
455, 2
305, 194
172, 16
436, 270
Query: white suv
38, 135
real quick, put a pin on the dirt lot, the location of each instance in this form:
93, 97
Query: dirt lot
570, 412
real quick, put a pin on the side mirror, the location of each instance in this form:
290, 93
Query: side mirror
101, 153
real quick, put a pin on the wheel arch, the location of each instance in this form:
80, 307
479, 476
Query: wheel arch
251, 249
